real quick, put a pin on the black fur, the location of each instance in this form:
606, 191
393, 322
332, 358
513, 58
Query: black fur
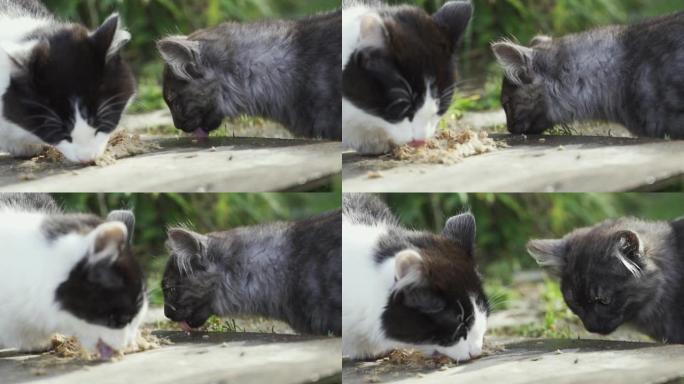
419, 47
68, 71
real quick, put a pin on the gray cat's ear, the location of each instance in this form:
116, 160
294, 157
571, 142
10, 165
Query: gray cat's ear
186, 245
373, 33
125, 217
515, 60
461, 228
549, 253
110, 37
181, 55
454, 17
630, 251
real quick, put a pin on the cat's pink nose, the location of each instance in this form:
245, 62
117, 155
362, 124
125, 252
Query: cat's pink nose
417, 143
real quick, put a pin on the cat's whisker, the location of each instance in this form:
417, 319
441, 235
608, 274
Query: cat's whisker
112, 98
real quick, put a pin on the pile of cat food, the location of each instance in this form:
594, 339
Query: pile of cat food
70, 348
447, 147
121, 144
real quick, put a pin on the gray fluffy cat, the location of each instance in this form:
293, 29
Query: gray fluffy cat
632, 75
622, 271
290, 271
284, 70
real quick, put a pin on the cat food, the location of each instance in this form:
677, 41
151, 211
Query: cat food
122, 144
70, 348
447, 147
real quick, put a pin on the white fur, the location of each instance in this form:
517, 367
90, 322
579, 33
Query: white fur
87, 144
369, 134
31, 268
365, 293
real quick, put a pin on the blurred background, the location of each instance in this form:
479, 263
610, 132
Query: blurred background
526, 302
203, 213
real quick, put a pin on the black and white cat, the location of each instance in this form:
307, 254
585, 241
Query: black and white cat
398, 71
72, 274
624, 271
631, 75
60, 84
283, 70
409, 289
289, 271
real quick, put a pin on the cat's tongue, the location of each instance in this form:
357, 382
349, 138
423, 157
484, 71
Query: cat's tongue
200, 134
417, 143
185, 326
106, 352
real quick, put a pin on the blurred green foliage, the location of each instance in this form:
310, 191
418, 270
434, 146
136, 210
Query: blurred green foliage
505, 222
149, 20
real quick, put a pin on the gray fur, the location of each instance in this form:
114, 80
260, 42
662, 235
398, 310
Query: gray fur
288, 270
591, 263
272, 69
630, 75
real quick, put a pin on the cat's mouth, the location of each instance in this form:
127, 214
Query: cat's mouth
185, 326
201, 134
106, 352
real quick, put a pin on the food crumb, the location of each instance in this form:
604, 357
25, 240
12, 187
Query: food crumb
374, 175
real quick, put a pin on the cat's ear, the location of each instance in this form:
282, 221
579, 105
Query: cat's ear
125, 217
540, 40
107, 241
549, 253
181, 54
110, 37
408, 267
187, 246
630, 251
409, 275
461, 228
373, 33
515, 60
454, 17
20, 55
